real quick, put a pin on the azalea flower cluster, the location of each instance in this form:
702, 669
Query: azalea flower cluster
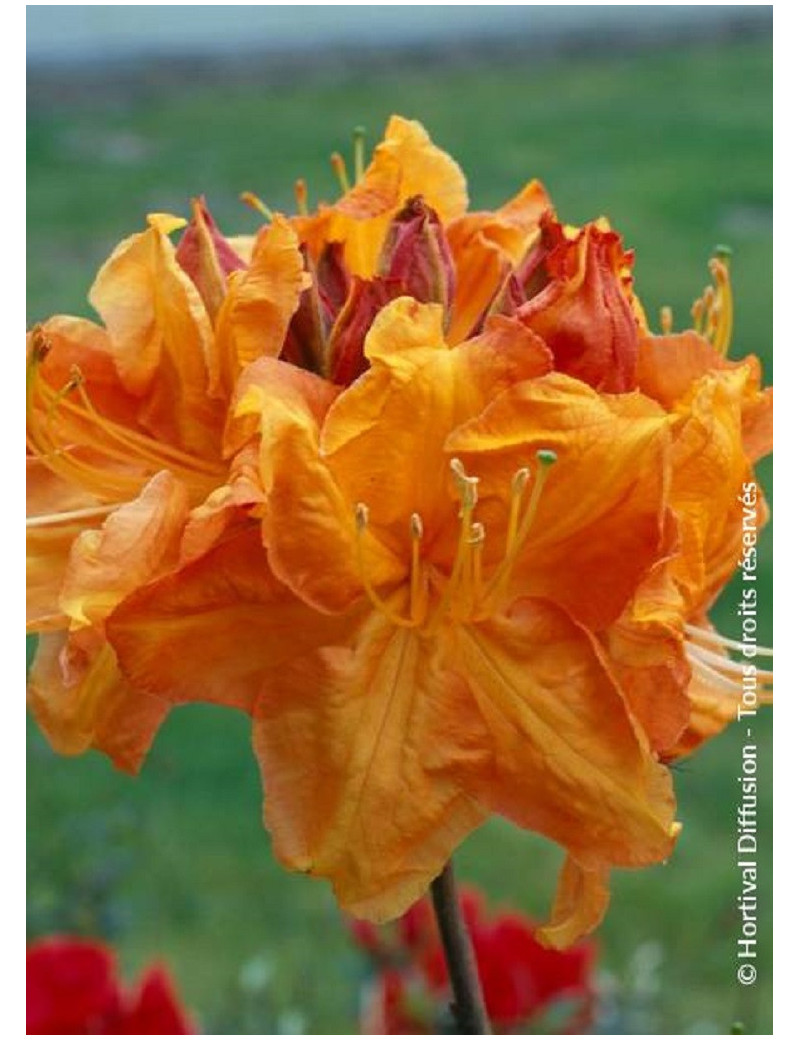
526, 986
419, 490
73, 988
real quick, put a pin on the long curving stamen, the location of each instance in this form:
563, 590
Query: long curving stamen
723, 332
252, 200
301, 196
340, 170
464, 593
55, 519
477, 537
725, 664
518, 531
715, 677
467, 488
161, 455
710, 636
362, 523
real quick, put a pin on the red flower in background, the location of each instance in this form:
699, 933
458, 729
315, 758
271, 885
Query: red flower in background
521, 979
73, 988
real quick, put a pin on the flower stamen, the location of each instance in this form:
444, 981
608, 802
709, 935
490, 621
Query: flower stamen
362, 523
252, 200
301, 196
518, 531
465, 593
340, 171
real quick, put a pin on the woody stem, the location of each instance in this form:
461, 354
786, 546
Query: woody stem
468, 1007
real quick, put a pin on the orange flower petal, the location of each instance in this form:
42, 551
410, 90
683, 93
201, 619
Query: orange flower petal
80, 701
580, 905
598, 527
668, 367
126, 551
365, 755
160, 339
568, 761
210, 630
260, 301
308, 526
645, 646
485, 247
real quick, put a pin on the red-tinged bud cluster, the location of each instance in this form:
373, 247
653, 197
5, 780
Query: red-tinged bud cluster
73, 988
522, 980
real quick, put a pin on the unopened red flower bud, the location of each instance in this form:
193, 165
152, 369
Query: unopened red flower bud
416, 254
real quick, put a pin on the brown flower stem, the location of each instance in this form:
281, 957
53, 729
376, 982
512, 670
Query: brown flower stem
468, 1007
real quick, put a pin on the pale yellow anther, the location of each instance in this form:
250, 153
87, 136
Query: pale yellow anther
252, 200
415, 526
362, 516
301, 196
41, 345
666, 320
340, 169
76, 378
466, 486
519, 481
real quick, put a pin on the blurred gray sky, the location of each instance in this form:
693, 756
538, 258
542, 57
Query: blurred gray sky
100, 34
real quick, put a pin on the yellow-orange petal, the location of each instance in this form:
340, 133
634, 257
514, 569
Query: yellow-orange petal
485, 247
580, 905
599, 524
568, 760
209, 630
710, 467
669, 366
366, 754
406, 163
259, 302
130, 547
645, 649
80, 701
57, 514
308, 526
161, 340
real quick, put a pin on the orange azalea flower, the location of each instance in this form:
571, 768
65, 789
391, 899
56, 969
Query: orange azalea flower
125, 437
442, 552
414, 645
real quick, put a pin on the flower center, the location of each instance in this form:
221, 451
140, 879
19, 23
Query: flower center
467, 593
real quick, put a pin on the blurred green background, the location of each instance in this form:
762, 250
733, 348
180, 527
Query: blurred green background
674, 146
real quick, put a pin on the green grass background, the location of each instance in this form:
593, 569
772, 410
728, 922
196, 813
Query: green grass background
674, 146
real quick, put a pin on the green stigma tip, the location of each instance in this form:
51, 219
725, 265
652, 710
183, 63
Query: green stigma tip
723, 252
546, 457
